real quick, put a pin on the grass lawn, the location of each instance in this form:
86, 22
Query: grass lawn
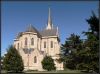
61, 71
64, 71
67, 71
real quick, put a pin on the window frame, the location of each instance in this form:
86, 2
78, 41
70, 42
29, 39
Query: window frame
32, 41
26, 40
35, 59
51, 44
44, 44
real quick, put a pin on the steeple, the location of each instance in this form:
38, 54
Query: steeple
49, 24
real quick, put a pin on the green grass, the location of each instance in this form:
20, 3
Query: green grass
67, 71
61, 71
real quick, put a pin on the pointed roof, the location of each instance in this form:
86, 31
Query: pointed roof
49, 17
32, 29
19, 35
49, 24
49, 31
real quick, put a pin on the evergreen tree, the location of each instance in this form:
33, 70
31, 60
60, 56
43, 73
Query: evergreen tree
90, 53
84, 55
48, 63
72, 46
93, 22
13, 61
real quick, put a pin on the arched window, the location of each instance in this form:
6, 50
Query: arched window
25, 41
32, 41
35, 59
44, 44
51, 44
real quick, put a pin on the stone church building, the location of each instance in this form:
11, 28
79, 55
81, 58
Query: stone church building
34, 45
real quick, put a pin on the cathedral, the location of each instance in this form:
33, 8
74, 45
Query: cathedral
34, 45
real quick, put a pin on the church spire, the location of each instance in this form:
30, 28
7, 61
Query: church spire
49, 24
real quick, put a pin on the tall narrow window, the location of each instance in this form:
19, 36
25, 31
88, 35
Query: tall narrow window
44, 44
51, 44
32, 41
18, 46
35, 59
25, 41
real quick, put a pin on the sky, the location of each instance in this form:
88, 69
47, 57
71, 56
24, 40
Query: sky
69, 16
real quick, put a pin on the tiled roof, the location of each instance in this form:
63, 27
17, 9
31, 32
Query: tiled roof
49, 32
32, 29
43, 33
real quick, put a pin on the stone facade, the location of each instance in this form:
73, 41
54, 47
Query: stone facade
34, 45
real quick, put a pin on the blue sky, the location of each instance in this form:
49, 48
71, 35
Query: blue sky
69, 16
